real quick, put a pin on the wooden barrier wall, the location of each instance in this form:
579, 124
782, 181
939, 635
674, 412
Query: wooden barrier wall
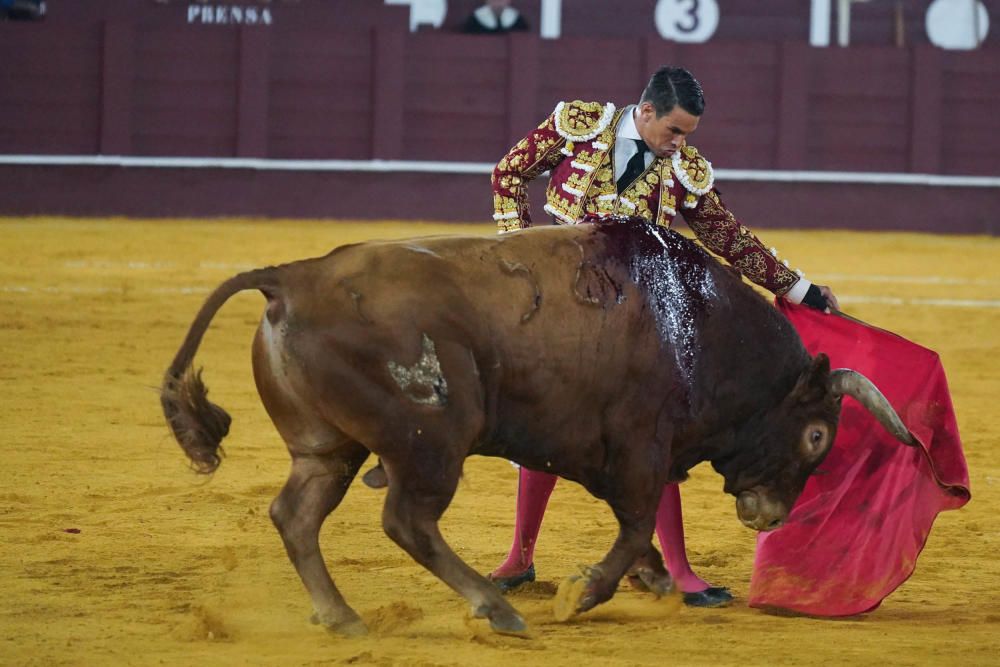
119, 88
352, 82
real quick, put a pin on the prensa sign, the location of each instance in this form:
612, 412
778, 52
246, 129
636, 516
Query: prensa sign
229, 15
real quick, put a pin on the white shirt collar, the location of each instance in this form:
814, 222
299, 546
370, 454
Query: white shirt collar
626, 127
624, 150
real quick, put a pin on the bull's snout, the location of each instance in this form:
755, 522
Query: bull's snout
759, 512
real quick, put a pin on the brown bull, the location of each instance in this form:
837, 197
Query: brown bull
618, 355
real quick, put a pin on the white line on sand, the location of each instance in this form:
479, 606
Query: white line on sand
902, 301
833, 278
135, 265
79, 289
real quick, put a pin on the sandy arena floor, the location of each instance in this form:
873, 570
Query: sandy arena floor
115, 553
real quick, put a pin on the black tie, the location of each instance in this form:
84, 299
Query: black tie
636, 165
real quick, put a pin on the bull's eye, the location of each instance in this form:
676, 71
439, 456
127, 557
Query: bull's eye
814, 439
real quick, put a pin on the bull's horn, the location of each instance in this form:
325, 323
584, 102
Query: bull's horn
860, 388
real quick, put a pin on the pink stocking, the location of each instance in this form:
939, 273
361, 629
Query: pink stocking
533, 491
670, 531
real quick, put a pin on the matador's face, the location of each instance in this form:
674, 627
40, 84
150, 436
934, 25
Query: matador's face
665, 134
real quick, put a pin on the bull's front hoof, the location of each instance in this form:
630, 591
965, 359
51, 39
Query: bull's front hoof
648, 581
507, 623
571, 598
349, 627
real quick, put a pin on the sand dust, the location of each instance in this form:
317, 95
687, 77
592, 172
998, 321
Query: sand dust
115, 553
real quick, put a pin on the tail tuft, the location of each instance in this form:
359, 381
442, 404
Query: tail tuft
198, 424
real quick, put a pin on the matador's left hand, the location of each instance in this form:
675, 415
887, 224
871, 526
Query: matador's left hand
821, 297
831, 300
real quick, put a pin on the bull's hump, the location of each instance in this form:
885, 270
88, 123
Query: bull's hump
661, 258
679, 279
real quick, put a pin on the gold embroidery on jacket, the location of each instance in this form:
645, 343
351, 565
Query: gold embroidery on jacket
696, 173
753, 267
580, 121
569, 206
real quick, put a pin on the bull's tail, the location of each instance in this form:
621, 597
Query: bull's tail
198, 424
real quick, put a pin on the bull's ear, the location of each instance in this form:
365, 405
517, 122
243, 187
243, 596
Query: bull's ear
821, 365
812, 384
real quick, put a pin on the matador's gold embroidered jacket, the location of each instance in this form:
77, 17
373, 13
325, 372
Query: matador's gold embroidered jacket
576, 143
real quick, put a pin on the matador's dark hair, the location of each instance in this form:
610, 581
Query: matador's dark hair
674, 86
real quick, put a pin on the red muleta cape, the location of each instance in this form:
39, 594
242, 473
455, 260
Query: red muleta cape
855, 533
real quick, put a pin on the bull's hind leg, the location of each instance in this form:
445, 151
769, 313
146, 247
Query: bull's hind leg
413, 506
314, 488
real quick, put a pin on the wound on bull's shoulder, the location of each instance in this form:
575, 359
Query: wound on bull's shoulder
423, 382
594, 286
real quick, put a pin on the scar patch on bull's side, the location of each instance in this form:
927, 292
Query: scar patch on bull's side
515, 268
355, 299
422, 382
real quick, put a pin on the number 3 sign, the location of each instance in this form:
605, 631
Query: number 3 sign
687, 20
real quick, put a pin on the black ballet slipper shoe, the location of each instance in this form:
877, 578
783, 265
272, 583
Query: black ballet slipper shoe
714, 596
507, 584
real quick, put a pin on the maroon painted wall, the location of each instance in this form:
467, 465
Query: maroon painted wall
345, 79
152, 88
